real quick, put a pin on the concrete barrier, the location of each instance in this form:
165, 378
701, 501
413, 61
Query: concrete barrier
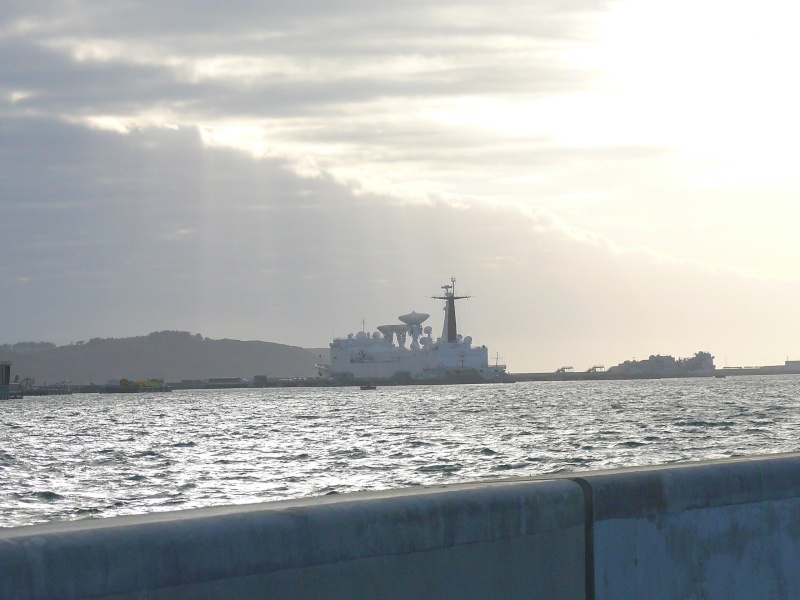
714, 530
499, 540
721, 529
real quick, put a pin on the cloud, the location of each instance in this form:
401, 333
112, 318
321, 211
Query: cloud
274, 170
361, 90
118, 235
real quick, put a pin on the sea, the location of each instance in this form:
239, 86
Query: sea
101, 455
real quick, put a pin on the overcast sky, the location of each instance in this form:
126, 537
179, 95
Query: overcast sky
608, 180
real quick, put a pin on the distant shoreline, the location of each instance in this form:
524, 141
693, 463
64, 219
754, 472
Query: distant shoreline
611, 376
319, 382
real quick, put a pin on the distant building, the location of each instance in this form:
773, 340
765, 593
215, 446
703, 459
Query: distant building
226, 382
701, 364
5, 379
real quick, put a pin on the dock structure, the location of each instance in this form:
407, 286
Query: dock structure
5, 379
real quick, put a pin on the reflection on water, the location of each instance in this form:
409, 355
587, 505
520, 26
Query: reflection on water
86, 455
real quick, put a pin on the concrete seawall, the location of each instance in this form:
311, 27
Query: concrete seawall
507, 540
721, 529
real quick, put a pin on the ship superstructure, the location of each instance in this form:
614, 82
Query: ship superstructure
384, 355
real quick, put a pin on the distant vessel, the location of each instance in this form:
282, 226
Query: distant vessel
699, 365
383, 355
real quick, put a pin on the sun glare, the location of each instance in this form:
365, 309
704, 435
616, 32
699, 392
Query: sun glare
711, 80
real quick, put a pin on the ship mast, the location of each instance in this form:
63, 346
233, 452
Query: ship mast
450, 329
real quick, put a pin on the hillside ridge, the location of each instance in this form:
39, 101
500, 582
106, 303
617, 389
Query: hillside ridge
171, 356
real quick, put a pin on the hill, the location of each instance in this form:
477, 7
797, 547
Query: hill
168, 355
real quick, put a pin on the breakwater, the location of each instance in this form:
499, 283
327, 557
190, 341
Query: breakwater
591, 375
717, 529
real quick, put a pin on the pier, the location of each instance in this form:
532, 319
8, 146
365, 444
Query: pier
721, 529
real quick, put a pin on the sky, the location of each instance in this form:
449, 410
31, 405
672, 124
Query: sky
606, 179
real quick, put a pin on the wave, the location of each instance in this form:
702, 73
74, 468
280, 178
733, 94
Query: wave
350, 453
700, 423
145, 454
510, 466
45, 495
440, 468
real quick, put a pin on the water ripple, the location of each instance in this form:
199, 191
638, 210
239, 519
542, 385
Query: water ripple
111, 455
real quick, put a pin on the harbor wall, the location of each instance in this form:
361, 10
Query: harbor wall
483, 541
722, 529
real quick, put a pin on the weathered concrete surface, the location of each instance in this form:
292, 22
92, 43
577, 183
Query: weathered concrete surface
501, 540
716, 530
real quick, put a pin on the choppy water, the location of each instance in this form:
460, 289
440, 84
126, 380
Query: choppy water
85, 455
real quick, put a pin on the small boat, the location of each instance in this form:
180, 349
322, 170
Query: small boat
368, 387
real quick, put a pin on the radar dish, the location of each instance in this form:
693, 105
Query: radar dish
413, 318
389, 330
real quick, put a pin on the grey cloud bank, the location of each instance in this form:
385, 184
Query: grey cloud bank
120, 235
283, 171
